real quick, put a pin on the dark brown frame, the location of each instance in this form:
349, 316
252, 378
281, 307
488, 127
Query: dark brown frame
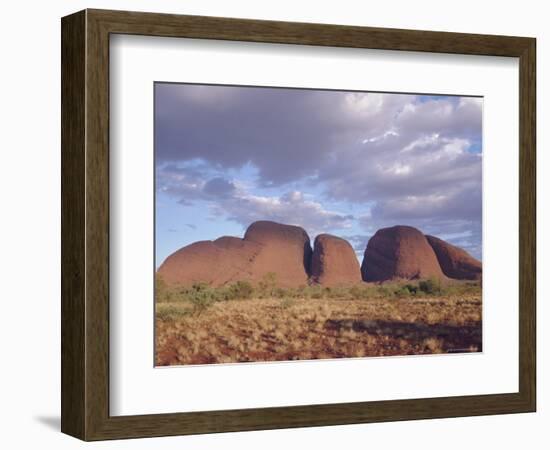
85, 224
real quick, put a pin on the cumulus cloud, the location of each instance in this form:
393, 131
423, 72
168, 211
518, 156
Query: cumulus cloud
411, 159
285, 133
291, 208
185, 183
219, 187
232, 201
450, 117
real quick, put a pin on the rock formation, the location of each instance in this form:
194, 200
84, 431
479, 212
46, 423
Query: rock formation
399, 252
218, 262
267, 247
334, 262
285, 251
455, 262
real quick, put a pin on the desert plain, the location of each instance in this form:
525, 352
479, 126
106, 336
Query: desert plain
270, 296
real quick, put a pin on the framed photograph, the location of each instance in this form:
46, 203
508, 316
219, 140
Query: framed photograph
273, 225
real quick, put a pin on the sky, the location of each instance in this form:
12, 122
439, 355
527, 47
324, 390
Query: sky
338, 162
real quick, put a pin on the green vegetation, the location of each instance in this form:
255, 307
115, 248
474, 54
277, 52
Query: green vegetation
268, 285
172, 311
200, 296
162, 292
430, 286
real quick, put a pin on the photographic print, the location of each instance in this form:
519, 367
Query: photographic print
304, 224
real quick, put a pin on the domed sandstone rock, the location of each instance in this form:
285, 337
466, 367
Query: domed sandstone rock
454, 261
399, 252
285, 251
334, 262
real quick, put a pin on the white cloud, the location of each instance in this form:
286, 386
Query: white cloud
233, 200
407, 156
291, 208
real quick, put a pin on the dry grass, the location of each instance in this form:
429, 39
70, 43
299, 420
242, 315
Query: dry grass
280, 329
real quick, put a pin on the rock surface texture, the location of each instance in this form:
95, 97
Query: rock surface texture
399, 252
218, 262
455, 262
285, 251
334, 262
267, 247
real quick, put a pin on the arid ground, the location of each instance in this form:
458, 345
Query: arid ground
239, 323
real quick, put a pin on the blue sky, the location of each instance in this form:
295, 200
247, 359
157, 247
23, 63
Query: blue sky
346, 163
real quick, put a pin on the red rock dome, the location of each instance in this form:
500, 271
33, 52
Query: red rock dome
334, 262
454, 261
218, 262
285, 251
399, 252
267, 247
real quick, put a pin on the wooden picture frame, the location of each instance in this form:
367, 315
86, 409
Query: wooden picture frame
85, 224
